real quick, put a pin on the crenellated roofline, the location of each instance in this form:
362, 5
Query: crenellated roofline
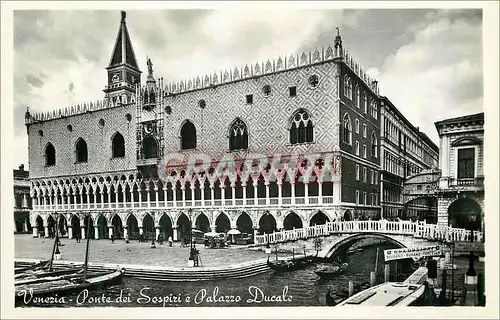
281, 64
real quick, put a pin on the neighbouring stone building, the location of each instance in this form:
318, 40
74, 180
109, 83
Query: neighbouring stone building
22, 200
407, 153
276, 145
461, 186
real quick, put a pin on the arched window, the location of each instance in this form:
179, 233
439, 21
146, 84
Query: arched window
374, 145
118, 146
347, 130
301, 130
188, 136
238, 135
347, 87
358, 97
50, 155
149, 148
81, 151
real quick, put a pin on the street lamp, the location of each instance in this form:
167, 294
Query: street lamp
268, 247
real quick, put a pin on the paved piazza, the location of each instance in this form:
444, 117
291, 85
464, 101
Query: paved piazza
102, 251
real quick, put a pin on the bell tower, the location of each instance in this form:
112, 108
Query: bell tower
123, 71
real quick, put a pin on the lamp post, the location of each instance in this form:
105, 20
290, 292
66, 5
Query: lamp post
191, 256
268, 247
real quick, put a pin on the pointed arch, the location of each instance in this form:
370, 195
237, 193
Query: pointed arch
301, 127
117, 146
50, 155
81, 151
188, 135
150, 147
347, 129
238, 135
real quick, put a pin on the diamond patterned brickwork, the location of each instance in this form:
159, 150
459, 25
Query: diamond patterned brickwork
267, 118
86, 126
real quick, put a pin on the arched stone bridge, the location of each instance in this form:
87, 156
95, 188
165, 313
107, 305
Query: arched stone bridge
338, 234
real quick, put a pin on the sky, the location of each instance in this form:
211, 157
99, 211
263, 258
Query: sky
429, 63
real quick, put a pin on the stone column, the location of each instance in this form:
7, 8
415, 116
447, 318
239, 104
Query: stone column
125, 232
70, 232
306, 192
192, 193
82, 230
110, 231
202, 191
116, 198
46, 227
35, 232
212, 194
96, 232
157, 201
292, 188
222, 193
124, 197
255, 193
267, 192
183, 195
165, 196
174, 194
320, 192
148, 197
141, 230
157, 228
80, 195
244, 186
233, 193
74, 197
280, 193
140, 196
175, 235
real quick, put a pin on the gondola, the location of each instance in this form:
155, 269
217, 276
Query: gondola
329, 270
38, 265
288, 265
69, 284
60, 282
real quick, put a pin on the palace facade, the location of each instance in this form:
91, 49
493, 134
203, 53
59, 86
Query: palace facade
277, 145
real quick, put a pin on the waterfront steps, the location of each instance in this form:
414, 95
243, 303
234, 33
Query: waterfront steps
201, 273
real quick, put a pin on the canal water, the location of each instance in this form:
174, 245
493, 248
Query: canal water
297, 288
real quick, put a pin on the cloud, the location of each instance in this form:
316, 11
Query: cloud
439, 74
433, 63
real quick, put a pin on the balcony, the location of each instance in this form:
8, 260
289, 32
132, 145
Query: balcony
465, 184
312, 201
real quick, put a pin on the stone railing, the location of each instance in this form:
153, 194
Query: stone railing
415, 229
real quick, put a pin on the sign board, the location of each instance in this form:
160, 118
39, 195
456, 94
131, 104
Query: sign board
469, 246
413, 253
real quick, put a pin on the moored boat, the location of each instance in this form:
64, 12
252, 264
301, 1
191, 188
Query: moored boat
289, 265
69, 284
329, 270
36, 266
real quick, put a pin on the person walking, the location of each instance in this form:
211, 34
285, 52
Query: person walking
112, 239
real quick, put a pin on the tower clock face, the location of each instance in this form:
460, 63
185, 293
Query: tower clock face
115, 77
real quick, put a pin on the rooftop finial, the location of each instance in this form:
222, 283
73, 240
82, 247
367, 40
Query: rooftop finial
338, 39
124, 15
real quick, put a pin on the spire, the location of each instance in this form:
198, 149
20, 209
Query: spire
338, 39
123, 52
